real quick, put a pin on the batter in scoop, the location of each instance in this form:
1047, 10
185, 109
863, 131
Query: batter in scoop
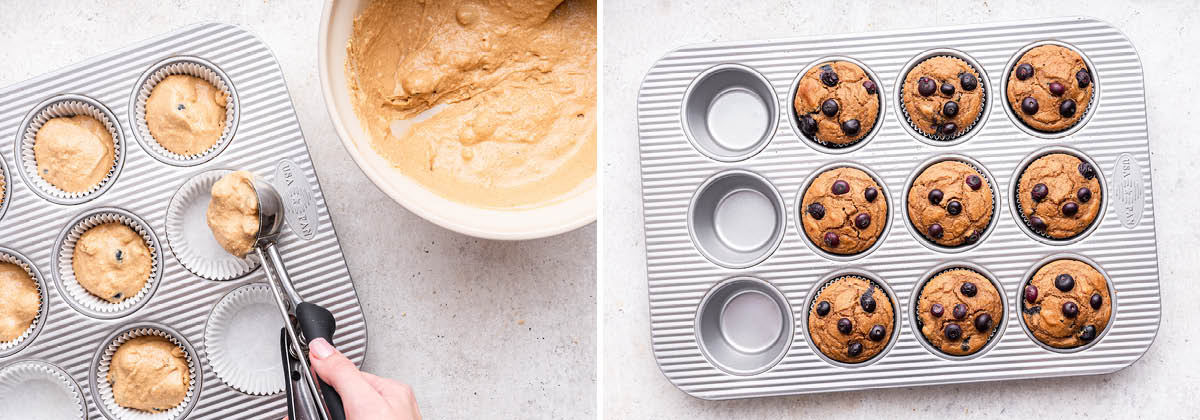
74, 154
149, 373
19, 301
233, 213
518, 81
112, 262
186, 114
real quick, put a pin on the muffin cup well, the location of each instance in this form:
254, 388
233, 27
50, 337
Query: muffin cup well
250, 312
8, 348
722, 237
1112, 293
1015, 180
823, 146
735, 337
191, 66
19, 384
830, 279
190, 238
798, 205
102, 390
1020, 123
936, 139
66, 106
716, 86
915, 299
987, 177
83, 300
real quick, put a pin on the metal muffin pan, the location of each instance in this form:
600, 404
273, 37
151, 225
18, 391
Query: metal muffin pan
680, 275
268, 142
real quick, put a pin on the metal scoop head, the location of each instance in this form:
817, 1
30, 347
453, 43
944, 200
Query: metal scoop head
270, 212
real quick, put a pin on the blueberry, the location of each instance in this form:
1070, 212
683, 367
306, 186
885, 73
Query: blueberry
974, 182
1095, 301
973, 237
926, 86
968, 81
1029, 105
854, 349
1070, 209
829, 77
868, 303
862, 221
950, 109
1067, 108
808, 125
949, 129
120, 256
1057, 89
1070, 309
1039, 192
870, 193
870, 86
823, 308
954, 208
1083, 77
830, 107
935, 196
118, 295
1031, 293
1088, 333
936, 231
953, 331
1064, 282
180, 107
983, 322
968, 289
1037, 224
816, 210
844, 326
1084, 195
1086, 170
877, 333
1024, 71
947, 89
831, 240
840, 187
960, 311
851, 127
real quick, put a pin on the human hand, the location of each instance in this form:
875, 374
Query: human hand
365, 396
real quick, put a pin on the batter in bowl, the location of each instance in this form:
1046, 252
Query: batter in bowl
74, 154
149, 373
517, 85
186, 114
233, 213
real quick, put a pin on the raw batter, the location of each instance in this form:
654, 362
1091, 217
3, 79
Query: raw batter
112, 262
233, 212
73, 153
186, 114
19, 301
149, 373
518, 81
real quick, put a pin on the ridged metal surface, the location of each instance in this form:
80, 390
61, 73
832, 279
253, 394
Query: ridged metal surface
267, 133
679, 276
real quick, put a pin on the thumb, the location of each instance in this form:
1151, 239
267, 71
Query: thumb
336, 370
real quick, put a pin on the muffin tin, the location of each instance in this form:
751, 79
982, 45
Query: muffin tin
761, 348
267, 141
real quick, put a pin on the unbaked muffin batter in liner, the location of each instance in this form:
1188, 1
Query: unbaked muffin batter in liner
67, 106
102, 389
191, 66
75, 294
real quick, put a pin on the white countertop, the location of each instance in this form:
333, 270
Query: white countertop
636, 33
481, 329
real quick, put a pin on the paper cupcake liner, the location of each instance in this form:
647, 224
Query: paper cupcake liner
987, 177
104, 391
984, 87
80, 296
14, 345
1016, 195
5, 189
916, 319
190, 238
871, 131
243, 327
41, 389
879, 286
1014, 110
67, 106
191, 66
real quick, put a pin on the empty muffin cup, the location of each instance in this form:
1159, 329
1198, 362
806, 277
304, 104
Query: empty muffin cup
241, 340
37, 390
744, 326
998, 325
190, 238
1014, 197
10, 347
922, 237
63, 261
1088, 111
828, 147
65, 106
730, 112
189, 66
937, 138
102, 390
736, 218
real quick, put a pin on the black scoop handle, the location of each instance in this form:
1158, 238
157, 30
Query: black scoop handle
317, 322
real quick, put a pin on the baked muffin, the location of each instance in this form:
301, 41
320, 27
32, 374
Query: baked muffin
149, 373
943, 97
20, 301
851, 320
836, 103
1050, 88
74, 154
844, 211
1059, 195
950, 203
1066, 304
233, 213
112, 262
186, 114
959, 310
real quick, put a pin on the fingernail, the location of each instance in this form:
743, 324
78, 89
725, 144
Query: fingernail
320, 348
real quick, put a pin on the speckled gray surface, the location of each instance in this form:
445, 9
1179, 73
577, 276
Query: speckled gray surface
480, 329
635, 36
